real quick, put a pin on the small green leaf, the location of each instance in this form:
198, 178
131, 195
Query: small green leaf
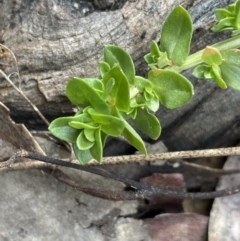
148, 95
81, 125
224, 24
212, 56
173, 90
142, 83
153, 103
83, 156
110, 125
176, 35
103, 138
148, 123
217, 76
97, 149
131, 135
119, 95
103, 68
148, 58
237, 11
133, 138
222, 13
228, 19
156, 57
208, 75
95, 83
83, 143
154, 50
132, 113
116, 55
203, 71
230, 68
210, 72
151, 100
163, 60
89, 134
108, 88
60, 129
137, 101
82, 94
82, 116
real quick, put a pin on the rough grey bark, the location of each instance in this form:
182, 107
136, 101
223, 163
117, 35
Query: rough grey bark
54, 40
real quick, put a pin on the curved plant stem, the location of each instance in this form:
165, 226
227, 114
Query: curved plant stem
196, 58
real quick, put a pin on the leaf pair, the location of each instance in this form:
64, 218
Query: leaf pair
171, 88
222, 66
211, 69
228, 19
175, 40
156, 58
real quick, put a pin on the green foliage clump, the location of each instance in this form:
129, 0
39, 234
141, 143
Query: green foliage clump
108, 101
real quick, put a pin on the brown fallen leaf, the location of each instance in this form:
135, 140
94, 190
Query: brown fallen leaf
178, 227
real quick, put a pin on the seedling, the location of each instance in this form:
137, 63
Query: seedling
106, 102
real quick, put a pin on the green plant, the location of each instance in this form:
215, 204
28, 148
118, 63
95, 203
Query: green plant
108, 101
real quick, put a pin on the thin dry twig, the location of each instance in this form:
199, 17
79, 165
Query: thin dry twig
142, 190
4, 48
11, 165
34, 107
167, 156
19, 89
25, 97
230, 151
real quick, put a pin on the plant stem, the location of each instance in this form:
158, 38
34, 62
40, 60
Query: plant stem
196, 58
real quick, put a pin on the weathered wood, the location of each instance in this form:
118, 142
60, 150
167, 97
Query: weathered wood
54, 40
